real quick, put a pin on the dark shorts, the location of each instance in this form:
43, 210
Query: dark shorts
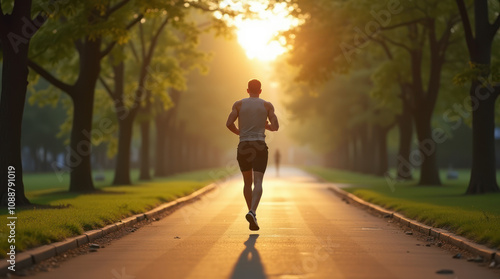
252, 155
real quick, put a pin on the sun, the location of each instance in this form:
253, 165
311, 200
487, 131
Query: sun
259, 35
257, 39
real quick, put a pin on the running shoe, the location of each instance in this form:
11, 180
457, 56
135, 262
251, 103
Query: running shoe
252, 219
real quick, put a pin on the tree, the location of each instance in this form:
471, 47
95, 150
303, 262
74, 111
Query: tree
392, 87
164, 123
423, 30
93, 28
126, 113
319, 63
159, 46
16, 31
483, 96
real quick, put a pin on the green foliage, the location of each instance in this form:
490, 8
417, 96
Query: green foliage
55, 47
315, 43
346, 37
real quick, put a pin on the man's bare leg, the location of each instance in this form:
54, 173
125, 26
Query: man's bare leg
257, 190
247, 188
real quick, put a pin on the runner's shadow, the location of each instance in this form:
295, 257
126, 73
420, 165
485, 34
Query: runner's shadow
249, 264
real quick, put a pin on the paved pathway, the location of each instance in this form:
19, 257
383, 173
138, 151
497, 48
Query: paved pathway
306, 232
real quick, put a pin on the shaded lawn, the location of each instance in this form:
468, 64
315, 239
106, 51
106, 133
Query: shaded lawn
73, 213
476, 217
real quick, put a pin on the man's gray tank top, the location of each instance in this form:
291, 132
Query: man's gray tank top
252, 119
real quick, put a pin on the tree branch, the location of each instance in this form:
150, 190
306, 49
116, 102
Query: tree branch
431, 35
469, 37
108, 49
143, 43
116, 7
154, 40
385, 47
106, 86
444, 41
50, 78
203, 8
396, 43
402, 24
41, 18
134, 51
135, 21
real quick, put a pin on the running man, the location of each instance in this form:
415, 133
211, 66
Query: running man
252, 114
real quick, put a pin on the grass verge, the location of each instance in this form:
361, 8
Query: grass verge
476, 217
62, 214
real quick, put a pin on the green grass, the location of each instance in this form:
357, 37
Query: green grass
476, 217
53, 180
72, 214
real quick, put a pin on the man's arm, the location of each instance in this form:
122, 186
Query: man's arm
232, 118
274, 126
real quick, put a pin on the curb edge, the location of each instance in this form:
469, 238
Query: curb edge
487, 253
36, 255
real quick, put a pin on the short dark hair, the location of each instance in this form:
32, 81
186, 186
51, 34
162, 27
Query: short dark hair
254, 86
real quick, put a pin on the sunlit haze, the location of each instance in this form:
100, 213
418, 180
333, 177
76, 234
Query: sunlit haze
259, 35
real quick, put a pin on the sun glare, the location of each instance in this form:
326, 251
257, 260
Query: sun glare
259, 35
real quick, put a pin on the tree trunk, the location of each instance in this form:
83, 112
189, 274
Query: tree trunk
177, 154
424, 106
82, 95
382, 164
144, 151
13, 95
164, 123
365, 156
344, 160
329, 159
354, 165
122, 167
125, 126
405, 126
80, 147
483, 172
372, 148
161, 137
429, 173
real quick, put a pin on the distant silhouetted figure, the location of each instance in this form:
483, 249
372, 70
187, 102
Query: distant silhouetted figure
277, 159
252, 114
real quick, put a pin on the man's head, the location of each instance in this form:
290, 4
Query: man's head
254, 87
